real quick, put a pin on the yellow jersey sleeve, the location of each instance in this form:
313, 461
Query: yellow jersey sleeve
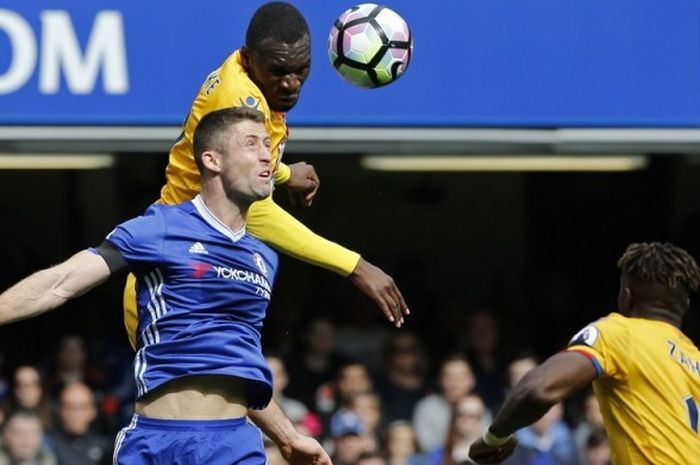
283, 174
271, 224
604, 343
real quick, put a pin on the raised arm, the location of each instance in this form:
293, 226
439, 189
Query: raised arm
302, 182
271, 224
52, 287
556, 379
295, 447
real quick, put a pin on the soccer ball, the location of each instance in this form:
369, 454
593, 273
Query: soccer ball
370, 45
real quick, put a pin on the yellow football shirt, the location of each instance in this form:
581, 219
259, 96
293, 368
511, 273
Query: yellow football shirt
230, 86
648, 389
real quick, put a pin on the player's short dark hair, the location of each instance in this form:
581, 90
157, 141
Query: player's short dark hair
660, 263
212, 130
279, 21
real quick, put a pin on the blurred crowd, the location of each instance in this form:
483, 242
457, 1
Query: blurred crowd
372, 394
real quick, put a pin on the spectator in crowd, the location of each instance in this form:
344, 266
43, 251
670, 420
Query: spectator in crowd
403, 382
71, 365
400, 442
597, 448
519, 366
360, 335
592, 421
468, 423
483, 340
23, 440
73, 441
368, 406
294, 409
432, 414
316, 363
548, 440
353, 378
347, 432
28, 393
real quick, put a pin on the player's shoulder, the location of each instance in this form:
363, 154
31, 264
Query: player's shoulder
230, 85
168, 212
611, 326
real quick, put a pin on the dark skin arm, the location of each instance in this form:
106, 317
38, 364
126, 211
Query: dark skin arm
302, 184
558, 378
382, 289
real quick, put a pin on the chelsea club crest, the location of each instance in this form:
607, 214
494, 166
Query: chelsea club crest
260, 263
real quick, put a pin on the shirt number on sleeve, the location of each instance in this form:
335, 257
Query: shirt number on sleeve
692, 412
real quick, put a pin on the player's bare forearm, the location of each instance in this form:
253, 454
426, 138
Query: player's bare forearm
550, 383
52, 287
275, 424
296, 448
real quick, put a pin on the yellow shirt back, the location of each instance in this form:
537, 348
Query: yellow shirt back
227, 86
648, 389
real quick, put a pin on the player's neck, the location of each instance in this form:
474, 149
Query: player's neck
658, 314
229, 213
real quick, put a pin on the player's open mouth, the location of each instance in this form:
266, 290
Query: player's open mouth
265, 175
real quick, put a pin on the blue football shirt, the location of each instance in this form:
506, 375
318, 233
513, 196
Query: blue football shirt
202, 294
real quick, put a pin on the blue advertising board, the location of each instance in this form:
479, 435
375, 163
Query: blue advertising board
477, 63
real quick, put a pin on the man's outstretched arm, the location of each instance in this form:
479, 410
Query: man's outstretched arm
52, 287
296, 448
556, 379
273, 225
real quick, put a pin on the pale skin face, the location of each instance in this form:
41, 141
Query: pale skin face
469, 416
354, 379
456, 379
28, 388
77, 410
244, 168
401, 440
22, 437
518, 369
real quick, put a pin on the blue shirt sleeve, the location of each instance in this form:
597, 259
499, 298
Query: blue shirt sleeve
140, 240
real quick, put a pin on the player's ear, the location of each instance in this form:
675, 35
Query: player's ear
211, 161
625, 300
245, 58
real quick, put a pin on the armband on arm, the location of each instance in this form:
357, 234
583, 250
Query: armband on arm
110, 254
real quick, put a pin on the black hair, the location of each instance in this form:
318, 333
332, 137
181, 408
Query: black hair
211, 130
279, 21
660, 263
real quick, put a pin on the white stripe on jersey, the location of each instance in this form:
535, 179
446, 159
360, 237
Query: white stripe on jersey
150, 335
140, 386
120, 439
153, 304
